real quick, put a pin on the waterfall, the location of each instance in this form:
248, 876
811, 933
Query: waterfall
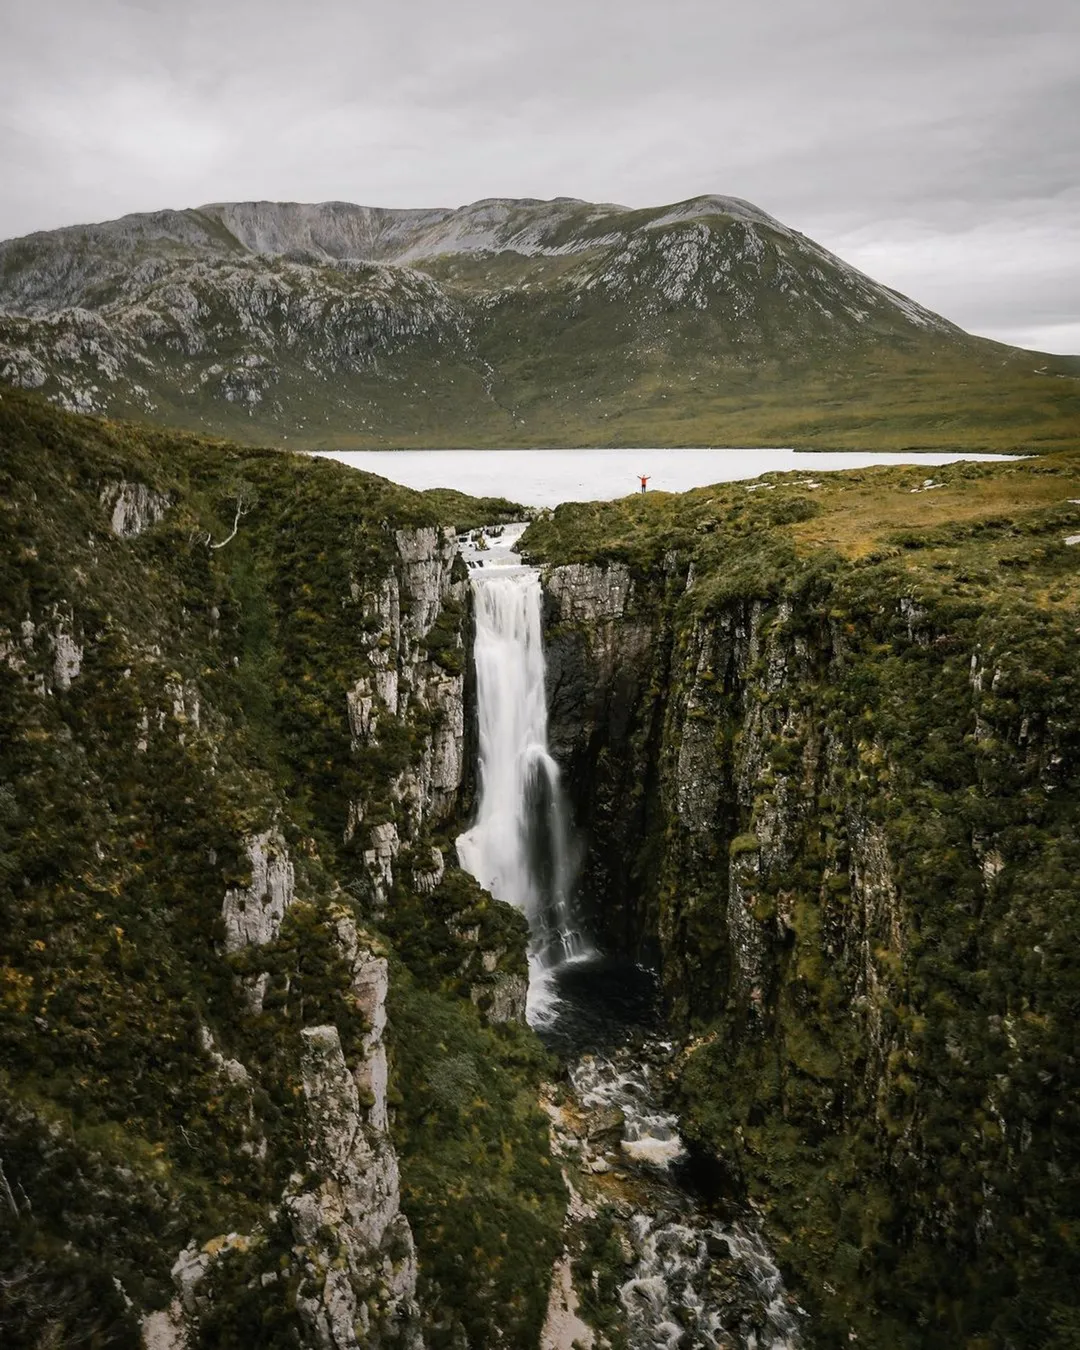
519, 847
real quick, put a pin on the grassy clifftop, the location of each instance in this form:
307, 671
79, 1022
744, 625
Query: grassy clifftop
866, 516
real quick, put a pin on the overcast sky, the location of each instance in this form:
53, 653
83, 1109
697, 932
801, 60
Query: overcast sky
934, 143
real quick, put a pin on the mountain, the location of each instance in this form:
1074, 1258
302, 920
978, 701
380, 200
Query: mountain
504, 322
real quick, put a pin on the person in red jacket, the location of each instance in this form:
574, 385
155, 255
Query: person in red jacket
644, 479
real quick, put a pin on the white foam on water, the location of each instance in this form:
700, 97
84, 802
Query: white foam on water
655, 1152
650, 1134
668, 1296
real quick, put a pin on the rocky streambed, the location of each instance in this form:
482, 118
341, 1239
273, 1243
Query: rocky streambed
651, 1263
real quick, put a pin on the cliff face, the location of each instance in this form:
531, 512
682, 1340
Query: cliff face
838, 801
231, 763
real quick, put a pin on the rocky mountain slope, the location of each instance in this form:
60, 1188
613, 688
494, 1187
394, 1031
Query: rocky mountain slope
262, 1074
503, 322
823, 738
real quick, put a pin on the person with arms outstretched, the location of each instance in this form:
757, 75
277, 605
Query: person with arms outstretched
644, 479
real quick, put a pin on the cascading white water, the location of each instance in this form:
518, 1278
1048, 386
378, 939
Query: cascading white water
670, 1297
690, 1279
519, 847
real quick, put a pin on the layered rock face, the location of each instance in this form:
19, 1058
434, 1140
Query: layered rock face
352, 1260
403, 674
359, 1257
837, 813
600, 647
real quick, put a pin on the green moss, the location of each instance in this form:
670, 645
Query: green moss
483, 1195
600, 1269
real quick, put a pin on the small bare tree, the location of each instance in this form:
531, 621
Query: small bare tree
246, 498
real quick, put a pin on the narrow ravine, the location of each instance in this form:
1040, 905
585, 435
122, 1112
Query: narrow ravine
677, 1272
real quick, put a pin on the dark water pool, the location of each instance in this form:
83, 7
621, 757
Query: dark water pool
598, 1004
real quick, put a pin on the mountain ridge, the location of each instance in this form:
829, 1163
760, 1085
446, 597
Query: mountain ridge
505, 321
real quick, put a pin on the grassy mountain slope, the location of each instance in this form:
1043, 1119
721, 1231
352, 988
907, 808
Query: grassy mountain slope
505, 323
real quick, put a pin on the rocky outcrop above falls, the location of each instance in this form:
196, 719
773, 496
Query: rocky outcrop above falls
415, 670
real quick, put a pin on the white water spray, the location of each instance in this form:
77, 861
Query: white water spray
519, 847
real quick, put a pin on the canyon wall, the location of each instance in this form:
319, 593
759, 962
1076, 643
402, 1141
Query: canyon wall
260, 1039
837, 802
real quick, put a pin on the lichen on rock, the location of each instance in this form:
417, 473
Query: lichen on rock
253, 914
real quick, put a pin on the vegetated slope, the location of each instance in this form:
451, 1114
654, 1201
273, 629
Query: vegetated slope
505, 323
824, 739
231, 761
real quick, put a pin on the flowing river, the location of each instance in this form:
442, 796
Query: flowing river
689, 1274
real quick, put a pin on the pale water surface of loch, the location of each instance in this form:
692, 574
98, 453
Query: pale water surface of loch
548, 477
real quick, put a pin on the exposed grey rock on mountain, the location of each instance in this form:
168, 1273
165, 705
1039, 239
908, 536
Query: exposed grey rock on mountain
372, 323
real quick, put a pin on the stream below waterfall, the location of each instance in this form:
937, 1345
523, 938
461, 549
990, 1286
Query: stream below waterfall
695, 1270
653, 1261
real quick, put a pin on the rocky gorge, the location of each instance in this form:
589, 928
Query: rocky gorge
265, 1077
834, 800
243, 982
